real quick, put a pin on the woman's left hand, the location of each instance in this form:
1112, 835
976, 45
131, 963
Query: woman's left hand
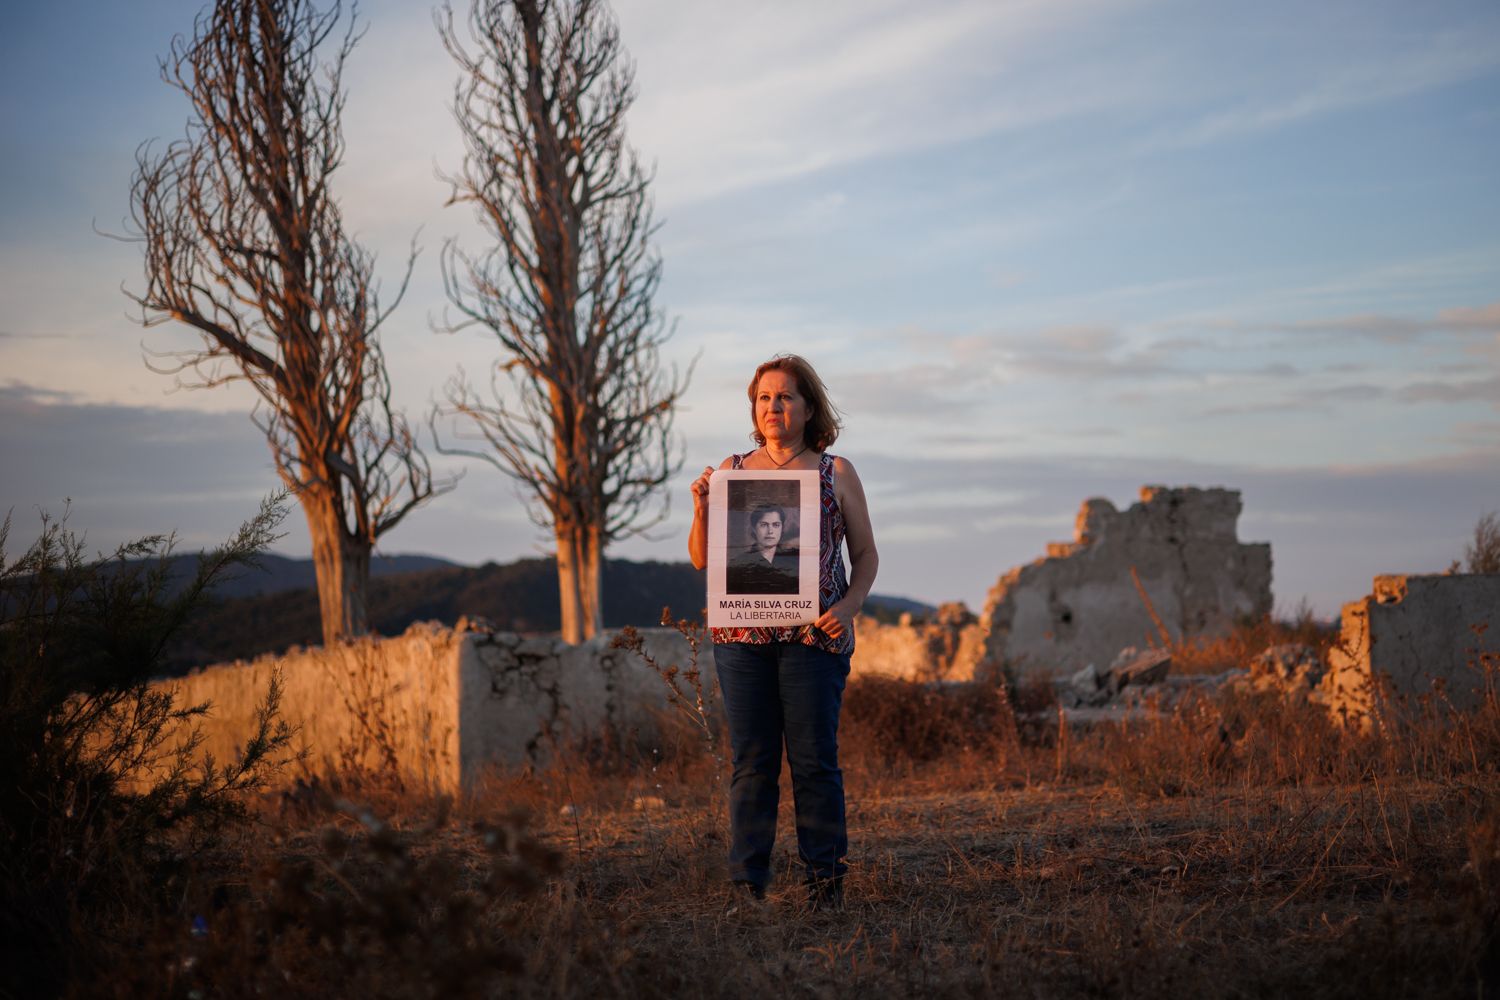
837, 620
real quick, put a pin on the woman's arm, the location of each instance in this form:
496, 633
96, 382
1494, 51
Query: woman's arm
698, 535
863, 558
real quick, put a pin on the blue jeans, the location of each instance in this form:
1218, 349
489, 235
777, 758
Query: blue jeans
775, 692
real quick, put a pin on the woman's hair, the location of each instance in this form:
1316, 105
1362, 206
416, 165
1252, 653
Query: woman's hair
823, 423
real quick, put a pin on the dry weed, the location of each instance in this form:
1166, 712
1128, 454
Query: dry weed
1232, 846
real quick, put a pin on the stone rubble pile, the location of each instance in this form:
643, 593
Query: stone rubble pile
1131, 670
1141, 680
945, 647
1292, 670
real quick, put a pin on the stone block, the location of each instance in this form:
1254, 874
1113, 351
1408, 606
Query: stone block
1142, 669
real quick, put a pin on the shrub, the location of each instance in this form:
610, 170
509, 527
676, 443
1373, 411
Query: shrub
1250, 637
898, 723
363, 907
82, 837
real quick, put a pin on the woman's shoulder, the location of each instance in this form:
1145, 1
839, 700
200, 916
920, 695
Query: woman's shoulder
841, 465
846, 483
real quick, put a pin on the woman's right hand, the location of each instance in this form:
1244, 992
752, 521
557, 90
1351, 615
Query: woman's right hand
698, 535
700, 491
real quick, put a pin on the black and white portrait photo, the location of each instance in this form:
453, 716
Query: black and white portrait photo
764, 516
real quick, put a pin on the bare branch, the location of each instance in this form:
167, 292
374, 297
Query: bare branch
244, 243
580, 409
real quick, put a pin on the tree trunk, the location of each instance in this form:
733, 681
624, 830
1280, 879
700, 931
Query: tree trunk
343, 567
579, 583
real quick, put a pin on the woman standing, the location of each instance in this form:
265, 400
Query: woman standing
786, 684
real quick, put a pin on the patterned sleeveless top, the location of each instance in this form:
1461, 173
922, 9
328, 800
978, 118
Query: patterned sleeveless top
832, 581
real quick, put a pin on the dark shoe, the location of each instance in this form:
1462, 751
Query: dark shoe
744, 895
740, 888
826, 894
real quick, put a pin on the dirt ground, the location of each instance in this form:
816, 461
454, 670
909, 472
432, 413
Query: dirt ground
1236, 846
1330, 891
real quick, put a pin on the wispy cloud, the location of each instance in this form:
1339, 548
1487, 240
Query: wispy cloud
1458, 320
1403, 284
1485, 390
850, 82
960, 378
1323, 399
21, 394
1205, 375
1475, 434
1312, 90
135, 470
1073, 352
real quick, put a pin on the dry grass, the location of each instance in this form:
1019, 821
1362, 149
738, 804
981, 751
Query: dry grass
1384, 887
1241, 644
1232, 847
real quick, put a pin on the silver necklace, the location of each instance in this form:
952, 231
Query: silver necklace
781, 464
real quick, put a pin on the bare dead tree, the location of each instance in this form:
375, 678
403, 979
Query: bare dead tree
244, 242
1482, 554
579, 410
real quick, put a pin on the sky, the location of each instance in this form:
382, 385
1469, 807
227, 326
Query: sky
1039, 251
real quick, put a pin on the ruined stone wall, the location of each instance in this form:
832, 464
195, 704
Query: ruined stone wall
371, 703
440, 705
524, 698
1078, 605
1412, 635
948, 648
436, 704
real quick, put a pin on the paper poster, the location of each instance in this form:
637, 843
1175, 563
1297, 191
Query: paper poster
763, 536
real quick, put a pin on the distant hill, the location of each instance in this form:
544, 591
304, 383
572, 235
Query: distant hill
890, 609
269, 611
280, 573
519, 597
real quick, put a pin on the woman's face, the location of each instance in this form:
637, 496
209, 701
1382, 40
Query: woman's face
780, 410
768, 530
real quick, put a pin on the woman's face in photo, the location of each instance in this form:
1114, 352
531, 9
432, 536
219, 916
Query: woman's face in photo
767, 531
780, 408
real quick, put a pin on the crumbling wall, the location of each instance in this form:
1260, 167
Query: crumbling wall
371, 703
526, 697
437, 705
946, 648
1415, 635
1079, 605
